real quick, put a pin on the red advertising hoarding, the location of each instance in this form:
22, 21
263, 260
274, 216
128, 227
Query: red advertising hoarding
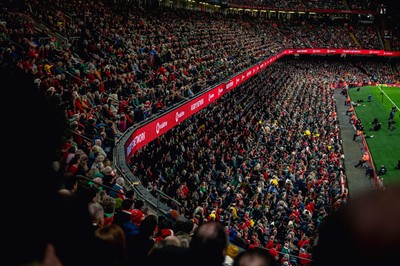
156, 128
341, 51
315, 10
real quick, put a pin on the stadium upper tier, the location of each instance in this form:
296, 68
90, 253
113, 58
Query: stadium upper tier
148, 61
122, 66
303, 4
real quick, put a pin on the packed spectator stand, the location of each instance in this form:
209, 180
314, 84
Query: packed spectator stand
301, 5
119, 68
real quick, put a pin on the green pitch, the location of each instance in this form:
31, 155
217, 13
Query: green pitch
385, 145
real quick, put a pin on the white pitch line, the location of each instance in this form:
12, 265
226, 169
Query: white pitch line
388, 98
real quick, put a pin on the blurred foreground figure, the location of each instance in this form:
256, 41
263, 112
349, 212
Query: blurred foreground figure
255, 257
364, 232
208, 245
43, 227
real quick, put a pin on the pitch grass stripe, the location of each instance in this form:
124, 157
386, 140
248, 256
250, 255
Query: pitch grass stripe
388, 98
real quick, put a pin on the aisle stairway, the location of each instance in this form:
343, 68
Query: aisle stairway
59, 39
387, 45
396, 72
355, 40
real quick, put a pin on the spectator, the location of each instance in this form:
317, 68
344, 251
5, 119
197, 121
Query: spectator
184, 238
98, 147
97, 183
118, 189
123, 215
231, 253
131, 228
211, 239
109, 205
255, 256
305, 257
168, 250
96, 211
70, 184
366, 230
140, 244
110, 246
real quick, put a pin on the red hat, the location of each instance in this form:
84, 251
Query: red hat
163, 234
137, 216
166, 232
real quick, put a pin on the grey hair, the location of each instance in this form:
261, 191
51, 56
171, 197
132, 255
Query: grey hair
96, 211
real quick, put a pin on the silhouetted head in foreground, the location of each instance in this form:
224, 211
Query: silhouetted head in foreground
42, 226
364, 232
255, 257
208, 244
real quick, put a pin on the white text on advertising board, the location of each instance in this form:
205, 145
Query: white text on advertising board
161, 126
230, 84
352, 51
197, 104
210, 97
179, 115
139, 138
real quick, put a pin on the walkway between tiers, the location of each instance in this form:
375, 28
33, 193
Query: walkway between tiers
357, 182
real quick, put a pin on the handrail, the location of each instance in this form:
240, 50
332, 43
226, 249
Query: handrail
11, 41
80, 135
161, 193
65, 71
100, 184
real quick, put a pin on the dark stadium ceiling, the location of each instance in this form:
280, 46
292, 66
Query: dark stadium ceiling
392, 5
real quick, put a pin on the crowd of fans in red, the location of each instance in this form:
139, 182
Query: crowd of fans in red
265, 160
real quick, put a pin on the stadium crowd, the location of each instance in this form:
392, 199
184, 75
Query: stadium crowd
395, 40
117, 74
224, 165
368, 36
258, 160
314, 4
282, 4
320, 4
363, 5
